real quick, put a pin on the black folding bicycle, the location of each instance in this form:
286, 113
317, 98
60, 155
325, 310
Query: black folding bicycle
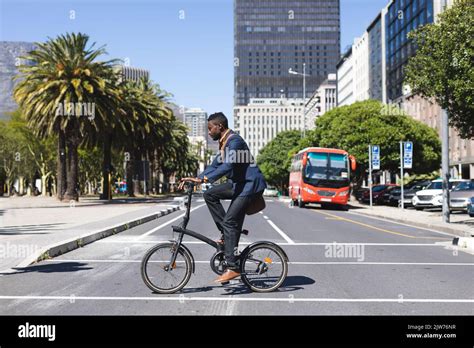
167, 267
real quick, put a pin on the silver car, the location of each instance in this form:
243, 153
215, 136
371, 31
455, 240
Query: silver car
460, 196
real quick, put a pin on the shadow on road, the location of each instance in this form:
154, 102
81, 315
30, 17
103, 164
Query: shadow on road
29, 229
51, 268
292, 283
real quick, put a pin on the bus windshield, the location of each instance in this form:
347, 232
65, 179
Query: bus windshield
327, 169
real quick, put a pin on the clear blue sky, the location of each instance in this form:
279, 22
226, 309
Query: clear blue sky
186, 44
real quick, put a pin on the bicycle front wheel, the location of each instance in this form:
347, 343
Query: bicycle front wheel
161, 276
264, 267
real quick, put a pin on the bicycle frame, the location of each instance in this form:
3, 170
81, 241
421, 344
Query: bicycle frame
182, 230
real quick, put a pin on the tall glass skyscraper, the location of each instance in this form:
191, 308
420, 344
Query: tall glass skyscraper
402, 17
272, 36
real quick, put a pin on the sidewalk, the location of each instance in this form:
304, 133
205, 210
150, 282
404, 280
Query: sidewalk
35, 227
461, 224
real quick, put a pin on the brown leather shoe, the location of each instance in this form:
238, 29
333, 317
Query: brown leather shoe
227, 275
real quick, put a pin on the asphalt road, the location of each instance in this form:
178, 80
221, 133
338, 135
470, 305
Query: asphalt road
384, 268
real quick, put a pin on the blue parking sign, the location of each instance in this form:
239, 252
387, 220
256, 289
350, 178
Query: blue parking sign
375, 157
408, 154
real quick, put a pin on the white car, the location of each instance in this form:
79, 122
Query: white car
205, 186
270, 191
432, 195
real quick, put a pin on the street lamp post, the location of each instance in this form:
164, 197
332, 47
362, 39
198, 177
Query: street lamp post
291, 71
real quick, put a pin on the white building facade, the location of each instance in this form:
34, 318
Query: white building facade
322, 100
263, 118
196, 120
360, 52
345, 79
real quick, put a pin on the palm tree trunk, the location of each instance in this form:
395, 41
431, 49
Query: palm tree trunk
106, 167
136, 182
61, 169
73, 164
130, 172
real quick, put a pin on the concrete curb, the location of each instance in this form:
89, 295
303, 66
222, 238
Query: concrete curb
464, 243
65, 246
445, 229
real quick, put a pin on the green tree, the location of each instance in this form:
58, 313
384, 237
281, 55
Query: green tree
20, 153
64, 72
274, 161
443, 66
354, 127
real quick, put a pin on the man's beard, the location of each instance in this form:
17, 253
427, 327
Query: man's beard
216, 137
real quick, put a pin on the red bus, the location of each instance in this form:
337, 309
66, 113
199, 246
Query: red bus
321, 175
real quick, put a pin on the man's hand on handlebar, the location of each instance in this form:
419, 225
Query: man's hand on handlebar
184, 180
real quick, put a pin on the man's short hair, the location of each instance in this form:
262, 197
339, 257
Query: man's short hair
219, 117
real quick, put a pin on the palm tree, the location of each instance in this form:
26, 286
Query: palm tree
62, 71
143, 125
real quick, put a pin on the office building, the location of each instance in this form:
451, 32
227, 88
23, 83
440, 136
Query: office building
323, 100
263, 118
270, 37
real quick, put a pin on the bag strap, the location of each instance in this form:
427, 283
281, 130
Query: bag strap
224, 144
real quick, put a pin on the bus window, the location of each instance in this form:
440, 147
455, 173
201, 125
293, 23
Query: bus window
317, 166
337, 167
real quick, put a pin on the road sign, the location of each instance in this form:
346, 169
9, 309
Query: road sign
375, 157
407, 155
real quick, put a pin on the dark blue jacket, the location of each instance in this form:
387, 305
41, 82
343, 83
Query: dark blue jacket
238, 166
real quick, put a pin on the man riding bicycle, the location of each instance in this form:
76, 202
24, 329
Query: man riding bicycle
245, 184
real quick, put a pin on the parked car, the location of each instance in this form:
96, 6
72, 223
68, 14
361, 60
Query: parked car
270, 191
461, 195
388, 193
360, 192
409, 192
377, 193
470, 207
432, 196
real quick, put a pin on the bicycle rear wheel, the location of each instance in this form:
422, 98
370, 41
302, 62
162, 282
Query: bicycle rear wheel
264, 267
159, 275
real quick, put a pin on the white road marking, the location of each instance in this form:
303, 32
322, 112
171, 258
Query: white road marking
165, 224
401, 223
265, 217
287, 244
239, 299
283, 234
290, 263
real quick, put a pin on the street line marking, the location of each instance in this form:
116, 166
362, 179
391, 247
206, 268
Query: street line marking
401, 223
165, 224
287, 244
182, 298
375, 228
283, 234
265, 217
291, 262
